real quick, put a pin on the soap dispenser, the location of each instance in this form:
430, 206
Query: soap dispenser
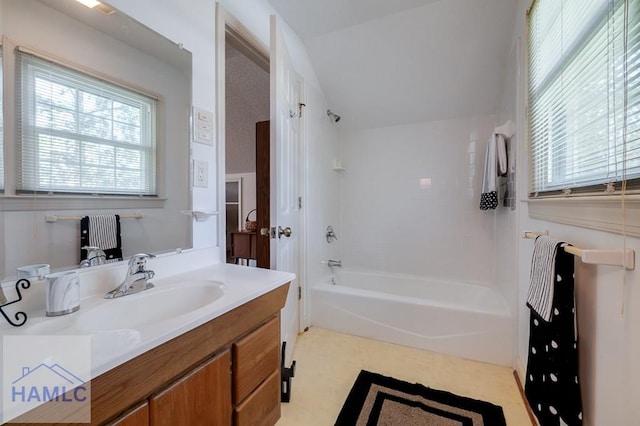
62, 293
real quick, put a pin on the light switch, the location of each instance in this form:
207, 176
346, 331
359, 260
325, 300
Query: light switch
204, 136
204, 116
202, 126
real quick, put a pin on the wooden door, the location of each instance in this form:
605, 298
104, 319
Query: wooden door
285, 159
202, 397
263, 188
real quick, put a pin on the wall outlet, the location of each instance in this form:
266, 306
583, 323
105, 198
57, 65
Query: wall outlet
200, 174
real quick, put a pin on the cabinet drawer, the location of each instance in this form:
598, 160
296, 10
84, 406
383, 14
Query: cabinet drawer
262, 407
255, 357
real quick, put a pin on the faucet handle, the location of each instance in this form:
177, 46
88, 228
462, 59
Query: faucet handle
138, 261
95, 256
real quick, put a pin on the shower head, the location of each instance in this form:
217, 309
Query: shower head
333, 116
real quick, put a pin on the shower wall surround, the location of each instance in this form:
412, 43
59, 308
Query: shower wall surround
410, 196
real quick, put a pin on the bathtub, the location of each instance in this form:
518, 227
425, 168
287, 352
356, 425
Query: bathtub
466, 320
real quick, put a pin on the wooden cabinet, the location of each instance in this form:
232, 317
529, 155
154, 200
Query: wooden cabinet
243, 245
256, 378
262, 406
224, 371
255, 357
138, 416
202, 397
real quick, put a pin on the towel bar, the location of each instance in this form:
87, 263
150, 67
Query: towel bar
621, 257
54, 218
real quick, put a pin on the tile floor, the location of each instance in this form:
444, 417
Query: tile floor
327, 363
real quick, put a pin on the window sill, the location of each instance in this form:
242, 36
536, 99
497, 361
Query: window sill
70, 202
602, 213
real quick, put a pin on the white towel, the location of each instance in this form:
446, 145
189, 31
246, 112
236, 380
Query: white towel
543, 265
495, 164
103, 231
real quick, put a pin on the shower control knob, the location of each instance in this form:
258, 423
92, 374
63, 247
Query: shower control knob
286, 232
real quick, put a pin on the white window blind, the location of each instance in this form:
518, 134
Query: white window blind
81, 134
584, 94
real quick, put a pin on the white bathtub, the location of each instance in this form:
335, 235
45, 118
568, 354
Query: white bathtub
465, 320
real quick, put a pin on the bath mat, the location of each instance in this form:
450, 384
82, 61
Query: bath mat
379, 400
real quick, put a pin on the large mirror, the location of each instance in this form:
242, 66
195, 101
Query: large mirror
110, 46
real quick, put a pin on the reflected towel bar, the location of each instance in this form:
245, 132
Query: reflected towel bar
54, 218
622, 257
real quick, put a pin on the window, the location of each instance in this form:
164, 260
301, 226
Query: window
81, 134
584, 95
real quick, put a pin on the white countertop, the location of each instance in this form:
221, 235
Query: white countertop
114, 346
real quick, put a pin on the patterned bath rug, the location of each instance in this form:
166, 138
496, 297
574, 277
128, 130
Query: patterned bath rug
376, 400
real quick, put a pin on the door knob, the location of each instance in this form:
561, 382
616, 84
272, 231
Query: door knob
286, 231
265, 232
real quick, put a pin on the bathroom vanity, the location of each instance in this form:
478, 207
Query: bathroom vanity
218, 365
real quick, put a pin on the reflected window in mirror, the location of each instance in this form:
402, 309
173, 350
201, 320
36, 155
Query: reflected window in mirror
118, 49
78, 133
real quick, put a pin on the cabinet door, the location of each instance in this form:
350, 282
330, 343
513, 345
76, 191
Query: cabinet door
202, 397
139, 416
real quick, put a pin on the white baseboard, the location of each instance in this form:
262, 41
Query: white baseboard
521, 373
520, 370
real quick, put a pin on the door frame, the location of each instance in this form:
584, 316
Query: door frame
243, 39
303, 304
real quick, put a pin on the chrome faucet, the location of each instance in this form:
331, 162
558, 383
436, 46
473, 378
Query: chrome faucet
334, 263
95, 256
136, 279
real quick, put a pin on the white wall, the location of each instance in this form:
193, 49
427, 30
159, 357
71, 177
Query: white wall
608, 304
247, 102
506, 218
391, 222
196, 32
195, 29
321, 203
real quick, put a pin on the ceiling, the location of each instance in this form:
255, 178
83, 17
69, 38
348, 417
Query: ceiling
383, 63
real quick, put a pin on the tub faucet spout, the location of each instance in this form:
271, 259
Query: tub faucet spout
334, 263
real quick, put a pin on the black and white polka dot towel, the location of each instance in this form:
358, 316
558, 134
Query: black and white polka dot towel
489, 200
552, 384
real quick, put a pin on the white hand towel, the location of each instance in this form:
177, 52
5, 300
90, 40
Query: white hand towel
501, 149
541, 287
495, 164
103, 231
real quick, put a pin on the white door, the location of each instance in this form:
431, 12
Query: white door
285, 145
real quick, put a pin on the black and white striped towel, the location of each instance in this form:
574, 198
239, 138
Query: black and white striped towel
541, 286
101, 231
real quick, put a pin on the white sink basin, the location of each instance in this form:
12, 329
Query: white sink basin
149, 306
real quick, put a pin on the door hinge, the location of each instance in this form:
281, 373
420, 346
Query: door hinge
299, 293
300, 203
300, 105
